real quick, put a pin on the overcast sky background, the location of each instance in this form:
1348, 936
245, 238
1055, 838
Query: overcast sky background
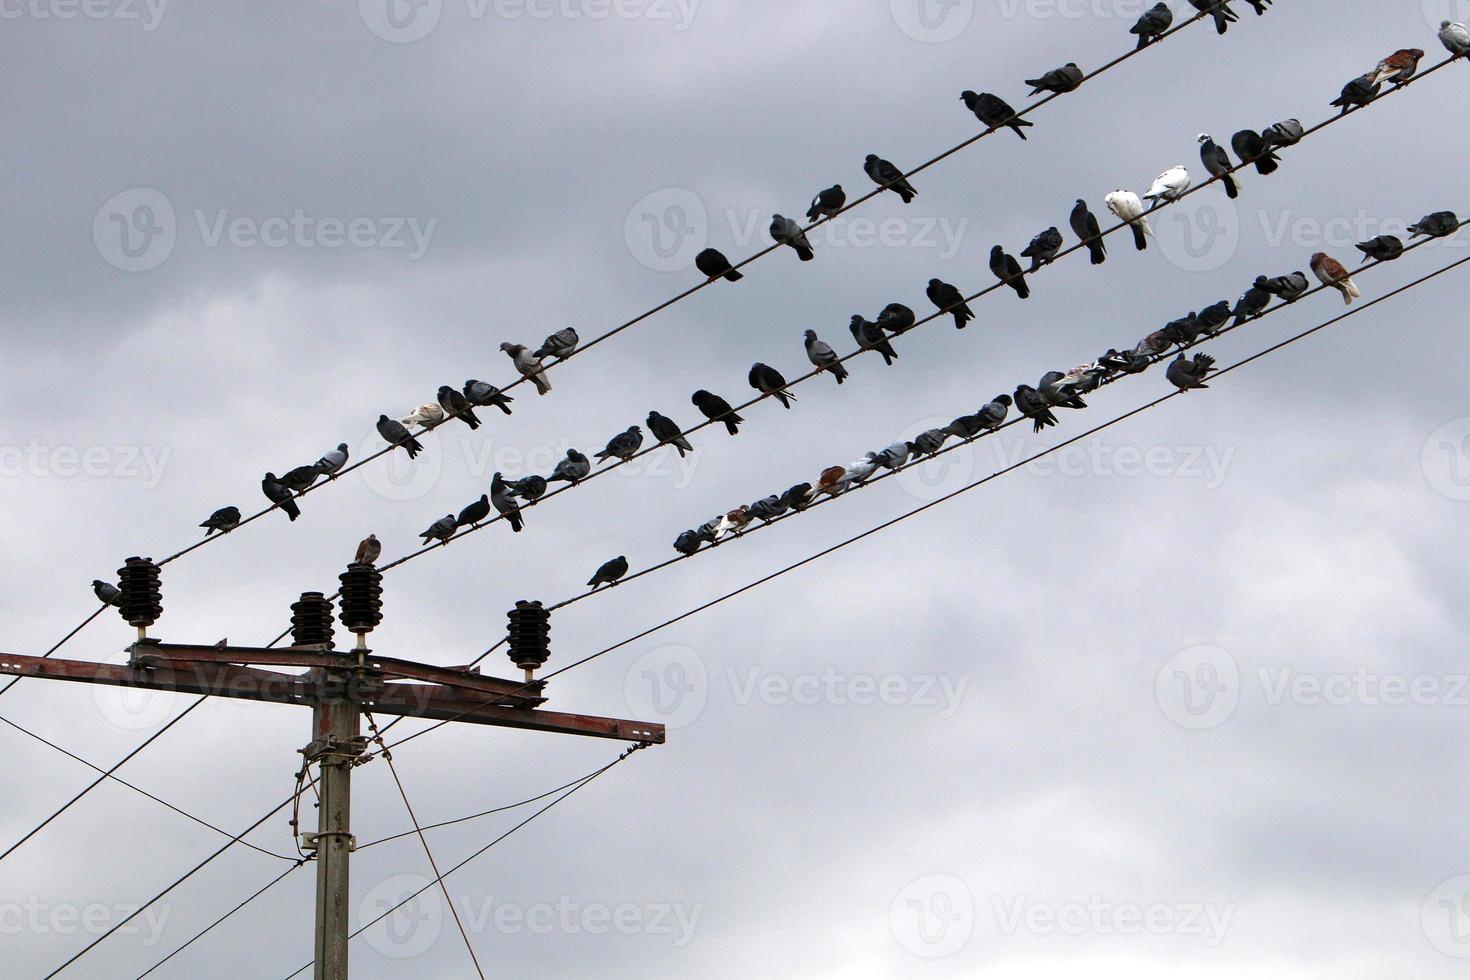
1298, 523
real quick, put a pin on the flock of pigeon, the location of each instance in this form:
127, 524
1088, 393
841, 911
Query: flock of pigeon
1056, 389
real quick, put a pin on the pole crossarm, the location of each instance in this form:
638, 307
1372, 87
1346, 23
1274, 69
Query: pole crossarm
380, 684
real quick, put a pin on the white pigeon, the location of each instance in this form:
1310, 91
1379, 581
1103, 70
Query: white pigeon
1168, 186
1127, 206
426, 415
860, 469
529, 365
1455, 37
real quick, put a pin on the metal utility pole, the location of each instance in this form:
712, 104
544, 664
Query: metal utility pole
338, 685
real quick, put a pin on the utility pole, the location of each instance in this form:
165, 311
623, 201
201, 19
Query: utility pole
338, 685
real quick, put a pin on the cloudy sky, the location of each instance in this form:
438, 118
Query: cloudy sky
1186, 700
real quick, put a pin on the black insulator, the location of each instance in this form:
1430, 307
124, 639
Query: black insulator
311, 620
141, 602
529, 635
360, 605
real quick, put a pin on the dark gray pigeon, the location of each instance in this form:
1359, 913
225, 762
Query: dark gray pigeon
1251, 147
1184, 330
993, 414
994, 112
768, 508
714, 265
784, 231
687, 543
1259, 6
768, 381
667, 432
870, 336
1056, 393
1058, 80
1384, 248
278, 493
505, 504
224, 520
966, 426
1154, 344
1250, 304
393, 431
609, 573
106, 593
1289, 287
823, 357
300, 479
950, 300
1008, 271
1033, 406
1129, 362
1185, 373
797, 497
480, 393
889, 177
529, 488
1440, 224
929, 442
1357, 93
1154, 24
827, 203
441, 530
456, 405
573, 469
716, 409
1213, 317
1219, 9
1217, 162
561, 345
1085, 227
1043, 248
475, 512
896, 318
623, 446
894, 456
710, 529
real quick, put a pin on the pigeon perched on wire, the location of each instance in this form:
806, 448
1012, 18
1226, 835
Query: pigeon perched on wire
505, 504
397, 435
768, 381
368, 550
332, 461
860, 470
1384, 248
529, 366
1083, 378
224, 520
896, 318
1127, 206
716, 409
481, 394
687, 543
1129, 362
560, 345
1331, 273
823, 357
1087, 230
1440, 224
623, 446
832, 480
950, 300
456, 405
1056, 393
301, 478
1289, 287
441, 530
1168, 186
929, 442
1287, 132
889, 177
1217, 162
966, 427
1043, 248
1253, 148
609, 573
1398, 68
1154, 24
784, 231
870, 336
1151, 346
1059, 80
714, 265
796, 497
474, 512
668, 433
1031, 404
1187, 373
992, 414
107, 593
1455, 37
710, 529
280, 494
529, 488
1219, 9
994, 112
1357, 93
827, 203
1213, 317
1251, 303
893, 456
768, 508
427, 415
573, 468
1008, 271
734, 522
